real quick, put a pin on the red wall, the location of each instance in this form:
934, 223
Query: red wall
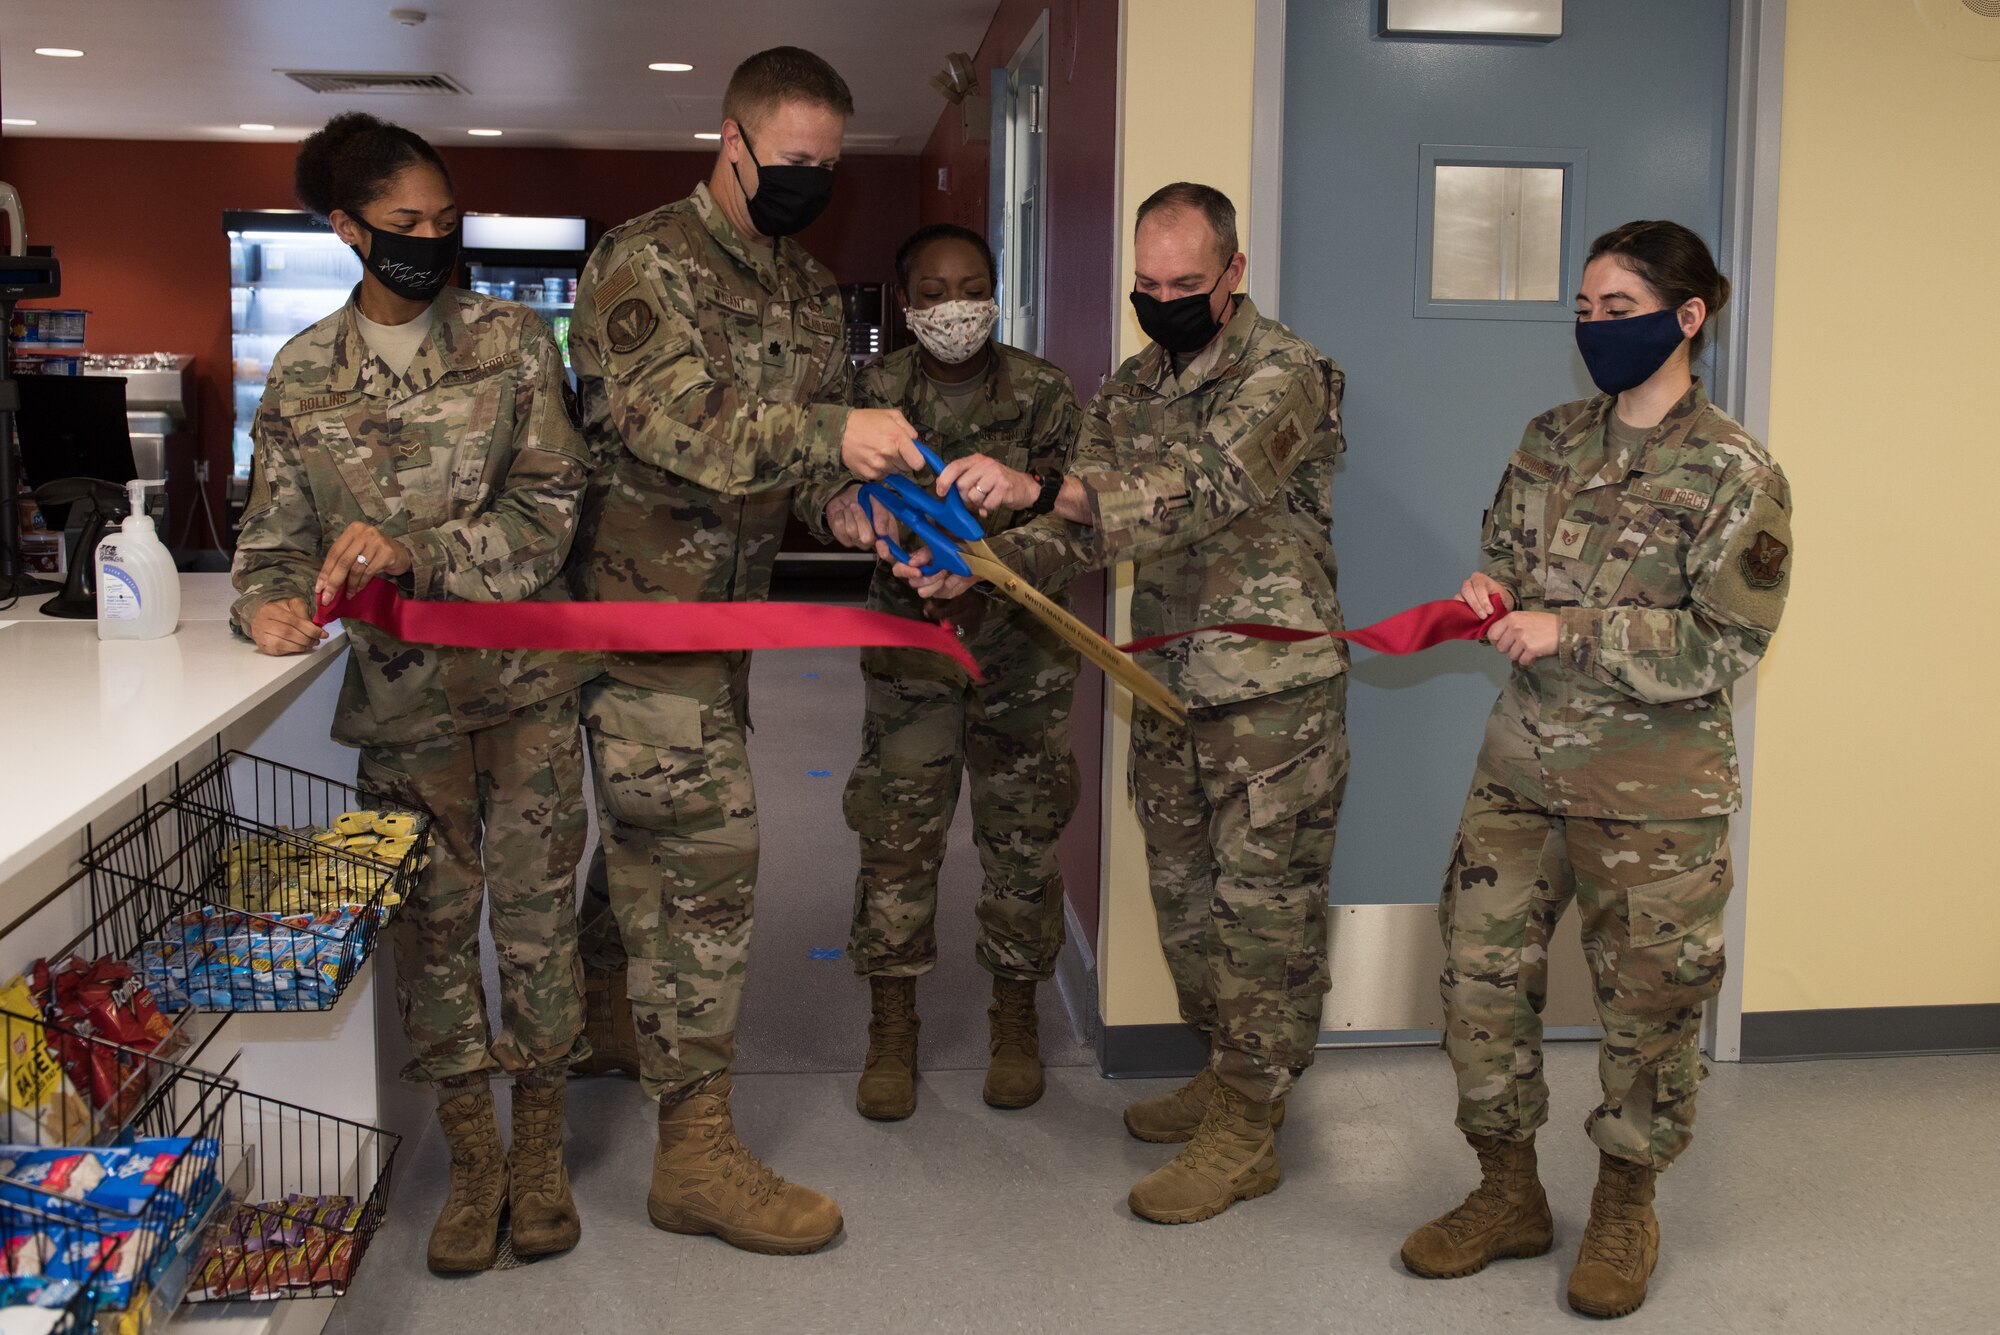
1083, 169
138, 227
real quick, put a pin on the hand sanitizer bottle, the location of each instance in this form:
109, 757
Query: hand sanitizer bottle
138, 589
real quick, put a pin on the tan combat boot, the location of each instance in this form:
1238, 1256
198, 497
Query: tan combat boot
1507, 1214
1621, 1244
1231, 1157
1014, 1076
467, 1231
607, 1024
1171, 1118
888, 1088
705, 1181
540, 1210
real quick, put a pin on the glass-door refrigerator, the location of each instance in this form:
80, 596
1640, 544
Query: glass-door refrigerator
287, 270
535, 261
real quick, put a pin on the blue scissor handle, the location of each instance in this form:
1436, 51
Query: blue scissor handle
941, 521
950, 511
944, 551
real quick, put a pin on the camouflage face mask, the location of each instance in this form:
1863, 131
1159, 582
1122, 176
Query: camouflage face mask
952, 331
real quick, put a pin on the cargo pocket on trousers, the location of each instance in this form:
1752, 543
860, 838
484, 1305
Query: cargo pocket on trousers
663, 785
1673, 957
1281, 801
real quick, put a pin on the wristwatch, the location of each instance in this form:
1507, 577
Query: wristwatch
1051, 488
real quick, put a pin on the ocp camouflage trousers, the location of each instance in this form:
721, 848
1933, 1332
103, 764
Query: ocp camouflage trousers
1651, 895
509, 828
927, 726
1239, 807
677, 817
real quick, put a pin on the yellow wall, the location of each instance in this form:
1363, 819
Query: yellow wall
1873, 853
1174, 128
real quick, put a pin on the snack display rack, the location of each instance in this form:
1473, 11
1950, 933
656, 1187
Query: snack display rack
268, 1200
90, 1174
252, 887
313, 1191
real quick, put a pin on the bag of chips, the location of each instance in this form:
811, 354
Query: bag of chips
41, 1106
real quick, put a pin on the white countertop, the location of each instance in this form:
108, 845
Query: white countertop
86, 721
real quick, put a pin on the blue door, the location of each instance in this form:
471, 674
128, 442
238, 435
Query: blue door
1422, 182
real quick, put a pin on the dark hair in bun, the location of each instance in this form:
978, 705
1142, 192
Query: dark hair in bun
1675, 263
348, 163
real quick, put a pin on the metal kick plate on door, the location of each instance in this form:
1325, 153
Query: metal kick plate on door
1386, 959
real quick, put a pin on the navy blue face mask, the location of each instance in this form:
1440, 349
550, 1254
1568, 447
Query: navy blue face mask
1623, 354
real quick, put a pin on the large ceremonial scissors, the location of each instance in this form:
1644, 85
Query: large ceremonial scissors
957, 544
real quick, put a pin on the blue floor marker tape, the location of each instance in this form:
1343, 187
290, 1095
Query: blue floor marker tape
810, 676
824, 953
819, 774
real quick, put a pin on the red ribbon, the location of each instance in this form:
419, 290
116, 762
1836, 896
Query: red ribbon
1407, 632
680, 628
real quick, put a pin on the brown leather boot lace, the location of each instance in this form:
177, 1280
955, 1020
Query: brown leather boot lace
892, 1023
1015, 1023
1502, 1178
1616, 1235
1210, 1146
538, 1122
478, 1163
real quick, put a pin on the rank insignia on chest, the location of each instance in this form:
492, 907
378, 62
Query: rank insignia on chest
1569, 539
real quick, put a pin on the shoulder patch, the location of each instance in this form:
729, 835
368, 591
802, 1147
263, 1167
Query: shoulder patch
1763, 561
631, 323
620, 281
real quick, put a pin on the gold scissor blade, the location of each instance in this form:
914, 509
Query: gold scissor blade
1116, 663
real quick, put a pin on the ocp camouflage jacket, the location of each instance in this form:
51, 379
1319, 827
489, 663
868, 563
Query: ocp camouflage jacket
470, 459
1668, 564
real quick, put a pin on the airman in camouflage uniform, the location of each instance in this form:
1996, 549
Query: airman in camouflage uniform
927, 724
712, 363
701, 432
1607, 777
1215, 478
470, 460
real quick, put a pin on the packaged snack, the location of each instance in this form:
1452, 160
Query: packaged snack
395, 825
156, 1176
40, 1104
356, 822
95, 1005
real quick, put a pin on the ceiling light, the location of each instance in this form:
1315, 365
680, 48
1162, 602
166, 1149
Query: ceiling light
710, 134
17, 120
670, 66
63, 52
485, 134
255, 125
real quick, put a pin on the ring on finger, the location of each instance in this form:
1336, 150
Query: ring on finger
361, 559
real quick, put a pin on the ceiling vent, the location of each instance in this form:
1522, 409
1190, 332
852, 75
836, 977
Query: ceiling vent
374, 81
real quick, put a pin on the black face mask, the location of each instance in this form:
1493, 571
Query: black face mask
788, 198
413, 267
1182, 325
